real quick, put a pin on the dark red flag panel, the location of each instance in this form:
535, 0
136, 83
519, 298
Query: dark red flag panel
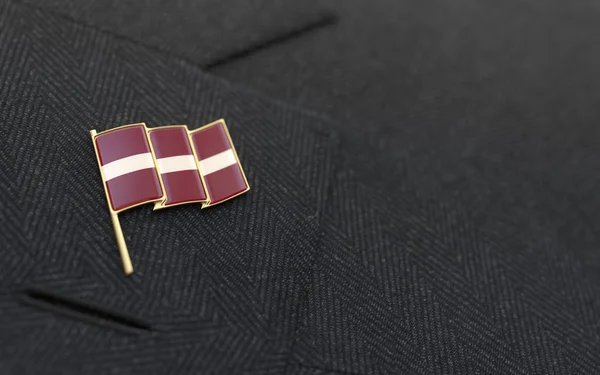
177, 165
128, 166
219, 163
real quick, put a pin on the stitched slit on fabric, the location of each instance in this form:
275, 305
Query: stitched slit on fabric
324, 21
320, 20
83, 311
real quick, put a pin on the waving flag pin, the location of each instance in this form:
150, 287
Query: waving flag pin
168, 166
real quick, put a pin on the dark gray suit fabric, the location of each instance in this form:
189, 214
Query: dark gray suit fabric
221, 288
485, 115
201, 31
345, 257
407, 63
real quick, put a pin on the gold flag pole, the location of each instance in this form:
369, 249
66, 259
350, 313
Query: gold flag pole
125, 259
127, 266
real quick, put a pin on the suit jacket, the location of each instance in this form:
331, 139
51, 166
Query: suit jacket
362, 247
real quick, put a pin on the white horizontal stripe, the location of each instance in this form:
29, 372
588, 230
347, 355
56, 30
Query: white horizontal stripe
217, 162
177, 163
127, 165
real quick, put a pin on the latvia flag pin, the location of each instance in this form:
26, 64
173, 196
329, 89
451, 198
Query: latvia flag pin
168, 166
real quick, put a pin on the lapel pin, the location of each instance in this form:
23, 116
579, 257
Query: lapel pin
167, 166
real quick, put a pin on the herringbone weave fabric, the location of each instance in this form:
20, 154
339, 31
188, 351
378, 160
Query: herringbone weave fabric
340, 259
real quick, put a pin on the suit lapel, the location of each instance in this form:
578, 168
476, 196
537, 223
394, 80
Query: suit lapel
233, 275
